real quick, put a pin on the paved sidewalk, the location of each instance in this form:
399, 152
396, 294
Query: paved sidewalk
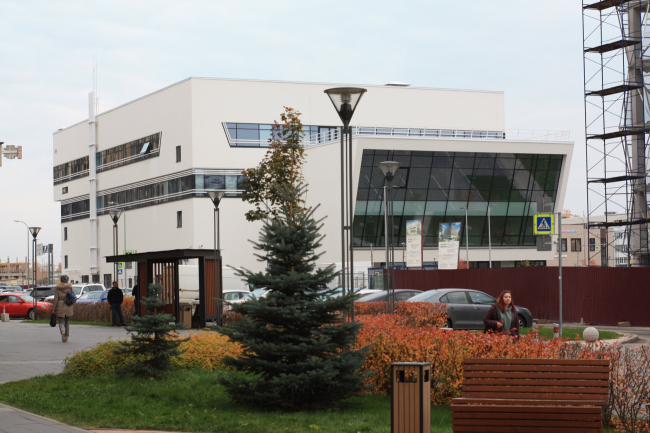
14, 420
34, 349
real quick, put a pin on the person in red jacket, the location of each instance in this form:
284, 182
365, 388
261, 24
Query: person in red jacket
502, 316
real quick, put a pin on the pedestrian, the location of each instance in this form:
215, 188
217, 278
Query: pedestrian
502, 316
136, 294
62, 310
115, 298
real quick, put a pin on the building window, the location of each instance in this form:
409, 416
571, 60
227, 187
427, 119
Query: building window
64, 190
96, 278
576, 245
564, 245
592, 244
108, 280
65, 233
84, 278
65, 262
179, 219
436, 186
178, 154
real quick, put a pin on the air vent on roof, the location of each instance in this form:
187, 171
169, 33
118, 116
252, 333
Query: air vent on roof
397, 84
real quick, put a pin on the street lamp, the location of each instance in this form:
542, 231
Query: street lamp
27, 256
115, 216
216, 197
34, 231
489, 236
466, 237
345, 101
403, 253
123, 212
389, 169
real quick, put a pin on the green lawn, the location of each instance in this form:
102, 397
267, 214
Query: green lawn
570, 333
187, 401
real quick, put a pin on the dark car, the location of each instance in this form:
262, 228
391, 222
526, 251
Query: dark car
467, 308
42, 292
400, 295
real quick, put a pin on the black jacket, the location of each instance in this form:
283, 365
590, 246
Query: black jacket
115, 296
494, 315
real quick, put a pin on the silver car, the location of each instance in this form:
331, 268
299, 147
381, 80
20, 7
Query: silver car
467, 308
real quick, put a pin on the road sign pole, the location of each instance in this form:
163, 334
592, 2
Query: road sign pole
559, 233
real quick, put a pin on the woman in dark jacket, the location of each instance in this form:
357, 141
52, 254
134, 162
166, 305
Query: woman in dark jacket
502, 316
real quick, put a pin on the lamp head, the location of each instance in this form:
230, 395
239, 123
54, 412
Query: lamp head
216, 197
345, 100
115, 214
389, 168
34, 231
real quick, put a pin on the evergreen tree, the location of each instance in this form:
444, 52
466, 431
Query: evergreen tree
297, 349
151, 346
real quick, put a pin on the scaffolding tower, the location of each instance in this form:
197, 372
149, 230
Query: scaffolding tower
616, 104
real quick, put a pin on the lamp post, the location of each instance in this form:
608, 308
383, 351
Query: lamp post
466, 237
489, 237
27, 257
403, 253
115, 216
123, 211
216, 197
345, 101
389, 169
34, 231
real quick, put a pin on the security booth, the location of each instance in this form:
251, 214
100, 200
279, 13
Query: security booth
161, 267
410, 403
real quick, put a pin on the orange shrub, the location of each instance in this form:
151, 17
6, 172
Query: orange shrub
203, 350
408, 313
399, 338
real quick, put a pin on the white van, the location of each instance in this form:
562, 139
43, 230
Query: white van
188, 281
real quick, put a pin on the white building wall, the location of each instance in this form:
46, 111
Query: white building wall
191, 113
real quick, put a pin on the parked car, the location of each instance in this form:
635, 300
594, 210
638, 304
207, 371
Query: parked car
93, 297
7, 289
42, 292
81, 288
382, 295
361, 292
20, 305
467, 308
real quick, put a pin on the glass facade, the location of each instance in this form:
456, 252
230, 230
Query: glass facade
436, 187
259, 134
114, 157
182, 187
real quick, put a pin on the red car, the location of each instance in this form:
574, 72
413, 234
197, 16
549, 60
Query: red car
20, 305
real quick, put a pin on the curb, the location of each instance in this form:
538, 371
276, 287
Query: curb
47, 422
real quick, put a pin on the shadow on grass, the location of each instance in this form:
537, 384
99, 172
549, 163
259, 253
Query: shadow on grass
187, 401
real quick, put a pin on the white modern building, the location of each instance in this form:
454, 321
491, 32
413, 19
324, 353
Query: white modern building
157, 155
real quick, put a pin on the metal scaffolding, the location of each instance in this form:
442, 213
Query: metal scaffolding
616, 105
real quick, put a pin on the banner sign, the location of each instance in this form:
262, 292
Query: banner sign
414, 244
448, 245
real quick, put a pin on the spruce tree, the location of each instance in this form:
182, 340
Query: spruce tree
297, 352
151, 345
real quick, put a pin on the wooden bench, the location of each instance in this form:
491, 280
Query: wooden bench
531, 395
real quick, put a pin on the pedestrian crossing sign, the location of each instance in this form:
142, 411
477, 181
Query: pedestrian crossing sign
543, 224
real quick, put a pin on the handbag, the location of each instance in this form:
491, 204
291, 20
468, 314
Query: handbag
53, 320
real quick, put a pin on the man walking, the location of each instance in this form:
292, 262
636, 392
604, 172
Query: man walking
115, 298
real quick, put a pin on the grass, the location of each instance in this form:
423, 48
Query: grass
570, 333
187, 401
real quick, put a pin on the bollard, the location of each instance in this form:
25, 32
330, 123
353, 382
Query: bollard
556, 330
410, 402
4, 317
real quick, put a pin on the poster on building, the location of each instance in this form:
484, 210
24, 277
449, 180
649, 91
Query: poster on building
414, 244
448, 245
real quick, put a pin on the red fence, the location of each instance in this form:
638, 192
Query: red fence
603, 296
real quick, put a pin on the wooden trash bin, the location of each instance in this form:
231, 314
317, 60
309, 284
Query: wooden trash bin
411, 397
185, 315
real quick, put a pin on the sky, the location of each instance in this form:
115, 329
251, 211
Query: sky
532, 51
